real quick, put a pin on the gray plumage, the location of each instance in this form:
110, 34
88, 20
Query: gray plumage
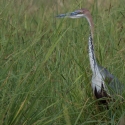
113, 84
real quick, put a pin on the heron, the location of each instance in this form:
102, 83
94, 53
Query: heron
104, 84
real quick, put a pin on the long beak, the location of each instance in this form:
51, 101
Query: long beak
70, 15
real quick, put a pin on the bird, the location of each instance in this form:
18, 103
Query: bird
105, 85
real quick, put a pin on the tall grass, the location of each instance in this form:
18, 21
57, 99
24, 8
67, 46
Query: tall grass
45, 76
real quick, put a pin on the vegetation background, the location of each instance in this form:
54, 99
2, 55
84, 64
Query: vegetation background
45, 75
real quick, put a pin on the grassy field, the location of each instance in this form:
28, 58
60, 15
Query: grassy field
45, 75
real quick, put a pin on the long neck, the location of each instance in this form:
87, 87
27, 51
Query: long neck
92, 58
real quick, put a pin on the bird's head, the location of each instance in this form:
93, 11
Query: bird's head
76, 14
79, 14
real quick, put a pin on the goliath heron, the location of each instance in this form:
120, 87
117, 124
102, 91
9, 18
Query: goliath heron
104, 84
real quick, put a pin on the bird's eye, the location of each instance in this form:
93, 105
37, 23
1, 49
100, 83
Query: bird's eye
83, 11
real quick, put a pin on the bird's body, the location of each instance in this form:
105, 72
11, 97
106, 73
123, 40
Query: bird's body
104, 84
